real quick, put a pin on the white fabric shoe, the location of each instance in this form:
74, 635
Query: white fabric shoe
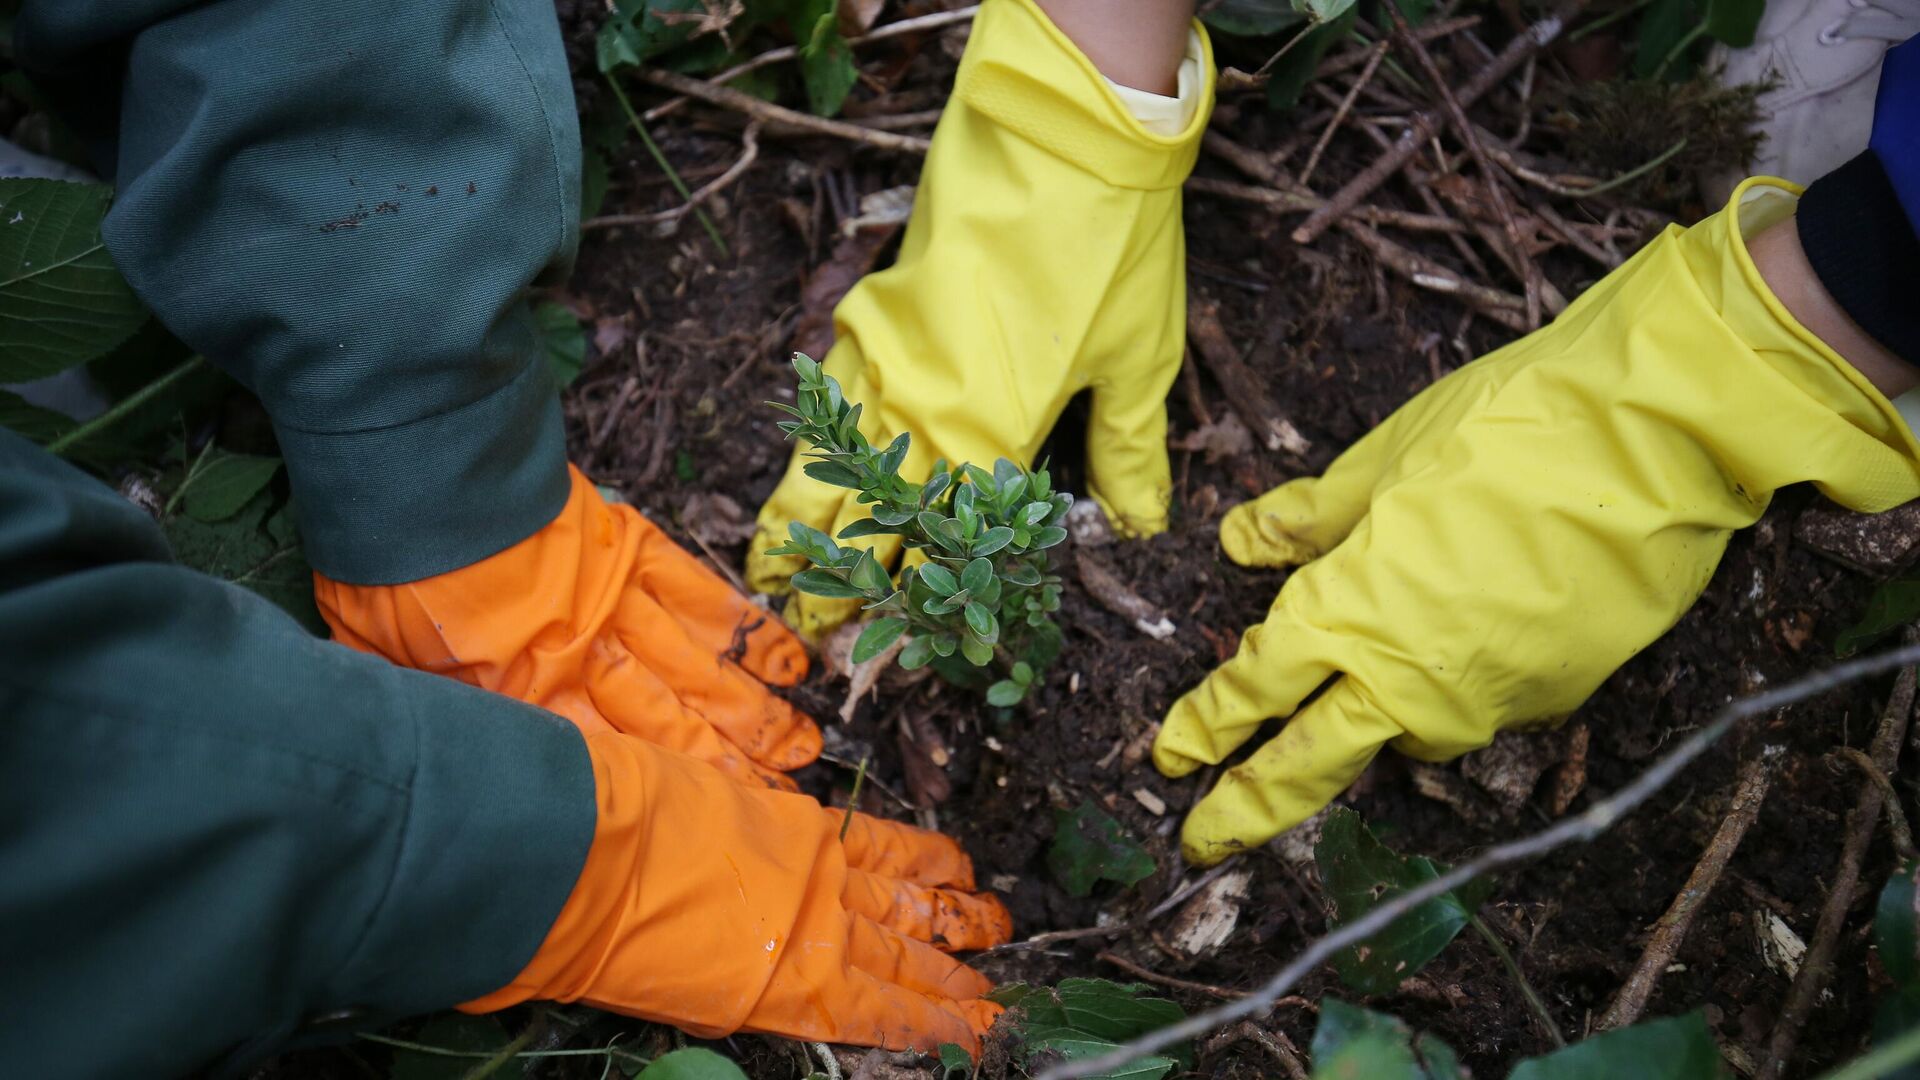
1823, 57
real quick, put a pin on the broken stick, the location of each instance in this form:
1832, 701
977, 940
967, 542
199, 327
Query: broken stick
1672, 928
1245, 392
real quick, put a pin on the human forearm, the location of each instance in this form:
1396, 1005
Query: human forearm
1137, 43
1782, 261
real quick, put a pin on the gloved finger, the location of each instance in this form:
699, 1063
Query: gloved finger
1314, 758
742, 710
625, 694
1303, 519
947, 919
869, 1011
1269, 676
914, 965
715, 616
1127, 469
904, 852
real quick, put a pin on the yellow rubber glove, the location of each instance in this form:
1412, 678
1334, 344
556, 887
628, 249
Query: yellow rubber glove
1491, 553
1045, 256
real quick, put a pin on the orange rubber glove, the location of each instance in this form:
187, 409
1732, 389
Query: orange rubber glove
602, 618
719, 908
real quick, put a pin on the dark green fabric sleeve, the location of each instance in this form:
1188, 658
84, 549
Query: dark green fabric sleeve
215, 828
343, 203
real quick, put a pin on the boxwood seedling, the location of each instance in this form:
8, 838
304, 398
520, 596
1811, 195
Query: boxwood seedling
983, 599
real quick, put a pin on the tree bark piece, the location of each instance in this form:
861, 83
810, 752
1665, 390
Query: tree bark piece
1672, 928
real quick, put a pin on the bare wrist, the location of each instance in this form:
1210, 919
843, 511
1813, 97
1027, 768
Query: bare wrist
1136, 43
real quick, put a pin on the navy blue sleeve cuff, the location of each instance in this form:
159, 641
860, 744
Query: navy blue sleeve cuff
1864, 251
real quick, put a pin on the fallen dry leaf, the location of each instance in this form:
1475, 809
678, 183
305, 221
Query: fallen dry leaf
853, 256
923, 757
856, 17
610, 334
1224, 438
1207, 921
716, 518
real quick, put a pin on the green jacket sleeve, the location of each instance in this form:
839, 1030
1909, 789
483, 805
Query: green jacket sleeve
344, 204
214, 827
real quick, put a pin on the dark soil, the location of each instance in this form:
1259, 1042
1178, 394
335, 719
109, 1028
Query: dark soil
1340, 346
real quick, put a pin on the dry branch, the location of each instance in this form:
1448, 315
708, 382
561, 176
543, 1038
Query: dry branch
1246, 391
1340, 111
1427, 123
1672, 928
750, 150
729, 98
937, 20
1585, 826
1293, 202
1817, 967
1521, 262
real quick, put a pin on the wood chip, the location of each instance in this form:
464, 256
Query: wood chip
1155, 804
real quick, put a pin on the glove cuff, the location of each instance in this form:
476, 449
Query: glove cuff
1024, 74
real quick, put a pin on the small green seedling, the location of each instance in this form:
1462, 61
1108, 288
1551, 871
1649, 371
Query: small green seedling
984, 594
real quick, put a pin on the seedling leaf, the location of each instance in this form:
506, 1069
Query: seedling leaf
875, 639
693, 1063
825, 583
1083, 1018
226, 483
1090, 846
1674, 1048
1360, 872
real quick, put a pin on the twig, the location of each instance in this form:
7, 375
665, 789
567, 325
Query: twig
827, 1060
1527, 993
853, 800
1347, 61
1592, 822
125, 406
1054, 937
935, 21
636, 1060
1896, 817
750, 140
612, 418
1427, 122
1246, 391
1573, 236
1289, 202
1341, 110
1502, 307
1275, 1043
1817, 966
660, 158
1672, 928
1153, 976
1589, 187
1522, 262
729, 98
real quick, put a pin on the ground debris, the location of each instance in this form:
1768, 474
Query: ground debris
1871, 543
1209, 918
1105, 586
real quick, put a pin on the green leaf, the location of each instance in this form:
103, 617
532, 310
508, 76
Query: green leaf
977, 576
30, 420
1359, 873
1290, 75
917, 653
982, 622
935, 486
562, 340
939, 579
945, 644
955, 1059
978, 653
832, 472
1321, 11
225, 483
1896, 1014
825, 583
1893, 605
257, 548
896, 453
867, 527
1024, 574
869, 576
1733, 22
455, 1031
875, 639
1083, 1018
994, 539
693, 1063
806, 367
1090, 846
1005, 693
1663, 27
1352, 1043
634, 34
1023, 673
826, 66
62, 301
1050, 536
1893, 925
1675, 1048
1252, 18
